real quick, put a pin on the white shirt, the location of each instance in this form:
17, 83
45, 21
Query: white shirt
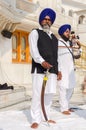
33, 40
66, 66
52, 78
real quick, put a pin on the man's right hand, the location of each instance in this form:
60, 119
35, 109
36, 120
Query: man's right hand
46, 65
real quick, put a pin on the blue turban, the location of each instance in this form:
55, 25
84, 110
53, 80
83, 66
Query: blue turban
63, 28
47, 12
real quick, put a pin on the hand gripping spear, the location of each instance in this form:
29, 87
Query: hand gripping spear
42, 95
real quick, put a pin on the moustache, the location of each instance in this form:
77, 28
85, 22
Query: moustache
46, 26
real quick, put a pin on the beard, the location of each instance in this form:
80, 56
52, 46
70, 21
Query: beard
65, 38
46, 28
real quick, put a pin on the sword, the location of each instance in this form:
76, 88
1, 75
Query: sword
42, 95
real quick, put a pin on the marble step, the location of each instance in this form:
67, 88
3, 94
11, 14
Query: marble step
12, 97
17, 106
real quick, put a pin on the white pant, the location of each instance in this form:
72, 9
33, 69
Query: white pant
64, 98
36, 111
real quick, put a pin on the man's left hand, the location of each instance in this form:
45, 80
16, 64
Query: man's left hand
59, 75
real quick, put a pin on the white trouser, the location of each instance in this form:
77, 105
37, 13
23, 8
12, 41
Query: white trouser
36, 113
64, 98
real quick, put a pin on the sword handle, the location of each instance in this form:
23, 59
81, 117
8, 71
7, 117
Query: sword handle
46, 73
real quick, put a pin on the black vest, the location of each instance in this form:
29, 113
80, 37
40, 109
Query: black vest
48, 50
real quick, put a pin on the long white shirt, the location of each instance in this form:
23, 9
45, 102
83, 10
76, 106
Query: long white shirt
52, 78
66, 65
33, 40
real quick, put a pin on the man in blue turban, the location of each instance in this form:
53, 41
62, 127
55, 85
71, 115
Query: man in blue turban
47, 12
63, 28
66, 66
46, 19
43, 49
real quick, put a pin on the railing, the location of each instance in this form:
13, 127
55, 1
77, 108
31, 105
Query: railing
81, 63
80, 1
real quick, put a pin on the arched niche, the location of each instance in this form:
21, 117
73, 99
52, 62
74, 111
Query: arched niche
81, 19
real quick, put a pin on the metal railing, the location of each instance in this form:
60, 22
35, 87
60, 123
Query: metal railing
81, 62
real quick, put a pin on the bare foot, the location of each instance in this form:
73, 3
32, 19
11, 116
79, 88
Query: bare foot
66, 112
71, 110
51, 121
34, 125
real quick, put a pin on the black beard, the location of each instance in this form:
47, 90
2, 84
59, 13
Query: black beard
64, 38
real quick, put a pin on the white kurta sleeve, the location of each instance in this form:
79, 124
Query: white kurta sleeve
59, 58
59, 63
33, 39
